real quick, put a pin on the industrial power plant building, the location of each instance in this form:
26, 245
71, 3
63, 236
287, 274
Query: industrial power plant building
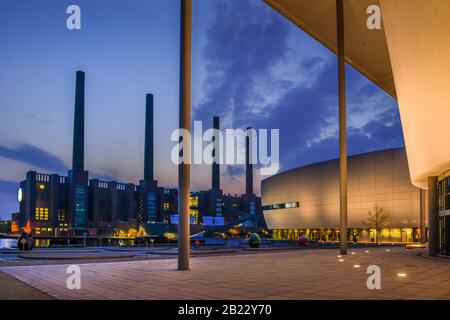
74, 205
305, 200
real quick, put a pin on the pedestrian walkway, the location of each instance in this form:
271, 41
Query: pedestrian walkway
300, 274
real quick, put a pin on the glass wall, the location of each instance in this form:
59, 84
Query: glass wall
444, 194
80, 207
444, 229
444, 216
403, 235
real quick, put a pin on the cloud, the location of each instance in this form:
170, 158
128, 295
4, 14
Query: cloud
383, 132
259, 75
263, 71
103, 177
244, 43
34, 156
233, 172
368, 109
8, 198
8, 186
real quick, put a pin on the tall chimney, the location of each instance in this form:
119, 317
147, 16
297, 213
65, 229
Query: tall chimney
248, 164
78, 125
216, 152
148, 157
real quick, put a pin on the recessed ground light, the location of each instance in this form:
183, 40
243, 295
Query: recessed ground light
341, 260
401, 275
356, 266
339, 256
353, 252
367, 251
387, 250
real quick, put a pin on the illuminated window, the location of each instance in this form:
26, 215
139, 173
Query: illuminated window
193, 201
287, 205
151, 206
166, 206
80, 206
41, 214
194, 213
61, 215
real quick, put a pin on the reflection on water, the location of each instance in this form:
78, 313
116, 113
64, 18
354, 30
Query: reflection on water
8, 243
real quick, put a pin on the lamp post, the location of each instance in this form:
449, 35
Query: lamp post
342, 125
185, 123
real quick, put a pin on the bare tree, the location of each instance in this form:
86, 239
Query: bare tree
377, 219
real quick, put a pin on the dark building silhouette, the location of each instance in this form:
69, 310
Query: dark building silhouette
74, 205
148, 188
214, 208
215, 176
248, 164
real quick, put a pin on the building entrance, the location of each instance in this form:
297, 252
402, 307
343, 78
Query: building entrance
444, 235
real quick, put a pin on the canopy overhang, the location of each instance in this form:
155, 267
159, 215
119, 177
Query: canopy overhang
411, 48
366, 49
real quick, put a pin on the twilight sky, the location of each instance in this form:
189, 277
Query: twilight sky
250, 66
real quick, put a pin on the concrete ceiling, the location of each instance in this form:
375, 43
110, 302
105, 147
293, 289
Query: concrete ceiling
366, 50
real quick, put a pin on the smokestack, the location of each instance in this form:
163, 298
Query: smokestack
148, 157
78, 125
248, 164
216, 151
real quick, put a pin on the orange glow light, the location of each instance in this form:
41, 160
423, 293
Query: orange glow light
27, 228
14, 227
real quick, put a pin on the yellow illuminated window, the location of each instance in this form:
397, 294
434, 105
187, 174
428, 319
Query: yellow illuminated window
166, 206
41, 214
194, 201
194, 213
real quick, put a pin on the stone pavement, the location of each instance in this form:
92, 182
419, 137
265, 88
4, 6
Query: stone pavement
299, 274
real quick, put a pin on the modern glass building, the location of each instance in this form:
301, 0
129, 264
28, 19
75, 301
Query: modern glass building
407, 56
305, 201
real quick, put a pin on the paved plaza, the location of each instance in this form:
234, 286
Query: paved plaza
297, 274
